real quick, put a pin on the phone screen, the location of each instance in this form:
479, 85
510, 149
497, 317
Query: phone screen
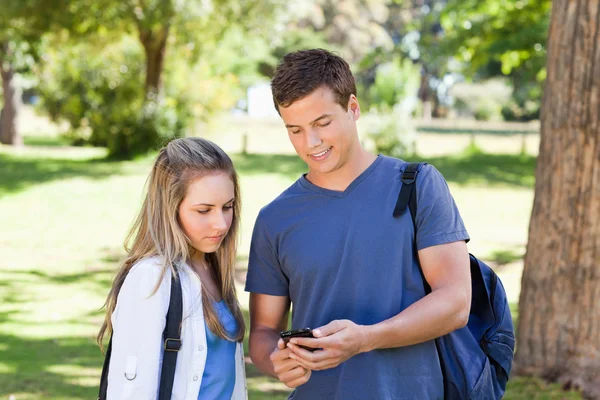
304, 332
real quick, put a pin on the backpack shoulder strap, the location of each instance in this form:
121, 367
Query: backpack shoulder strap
172, 344
408, 194
104, 377
407, 198
172, 340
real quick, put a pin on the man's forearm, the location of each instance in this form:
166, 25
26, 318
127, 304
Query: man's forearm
262, 342
437, 314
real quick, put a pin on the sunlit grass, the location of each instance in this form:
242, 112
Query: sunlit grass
64, 215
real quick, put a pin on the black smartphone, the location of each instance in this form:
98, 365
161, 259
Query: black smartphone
304, 332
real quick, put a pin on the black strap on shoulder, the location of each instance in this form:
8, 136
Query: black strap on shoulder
407, 198
171, 345
409, 177
172, 340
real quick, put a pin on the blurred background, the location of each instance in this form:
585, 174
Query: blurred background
92, 88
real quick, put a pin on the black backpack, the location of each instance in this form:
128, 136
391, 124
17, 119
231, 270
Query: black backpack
488, 340
172, 344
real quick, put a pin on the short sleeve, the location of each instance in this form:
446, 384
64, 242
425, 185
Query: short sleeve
265, 275
438, 219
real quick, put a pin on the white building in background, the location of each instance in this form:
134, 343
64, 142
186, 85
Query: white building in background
260, 101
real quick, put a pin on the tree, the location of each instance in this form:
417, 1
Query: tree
8, 115
494, 38
21, 25
559, 323
122, 94
160, 23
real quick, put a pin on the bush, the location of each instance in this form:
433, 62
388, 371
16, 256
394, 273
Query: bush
528, 111
484, 112
102, 95
481, 100
388, 82
390, 131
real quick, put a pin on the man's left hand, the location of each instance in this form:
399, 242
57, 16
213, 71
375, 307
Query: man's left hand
334, 343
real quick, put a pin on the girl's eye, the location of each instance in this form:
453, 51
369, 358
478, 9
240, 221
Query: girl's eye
203, 211
230, 207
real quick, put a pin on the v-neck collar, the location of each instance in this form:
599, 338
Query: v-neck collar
336, 193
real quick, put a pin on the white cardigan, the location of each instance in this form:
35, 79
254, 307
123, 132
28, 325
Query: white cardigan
138, 323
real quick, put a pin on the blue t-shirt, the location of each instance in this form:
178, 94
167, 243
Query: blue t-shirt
218, 379
342, 255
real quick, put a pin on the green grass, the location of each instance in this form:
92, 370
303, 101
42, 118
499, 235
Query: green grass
65, 212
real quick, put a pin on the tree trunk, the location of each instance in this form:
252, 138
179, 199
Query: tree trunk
424, 94
8, 116
155, 44
559, 323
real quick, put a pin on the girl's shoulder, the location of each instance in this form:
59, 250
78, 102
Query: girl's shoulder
144, 276
148, 265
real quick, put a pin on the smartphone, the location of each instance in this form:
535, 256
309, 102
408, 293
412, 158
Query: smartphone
304, 332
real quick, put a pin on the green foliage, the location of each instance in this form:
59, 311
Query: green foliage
293, 39
508, 38
390, 131
511, 32
483, 112
527, 111
394, 81
103, 98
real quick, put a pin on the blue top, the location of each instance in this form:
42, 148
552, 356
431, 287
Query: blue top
342, 255
218, 379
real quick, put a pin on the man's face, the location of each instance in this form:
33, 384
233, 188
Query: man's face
322, 131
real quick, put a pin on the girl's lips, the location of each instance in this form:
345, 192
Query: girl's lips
215, 238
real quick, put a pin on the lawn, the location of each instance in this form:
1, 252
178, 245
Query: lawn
64, 213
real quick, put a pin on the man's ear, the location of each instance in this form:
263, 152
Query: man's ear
354, 107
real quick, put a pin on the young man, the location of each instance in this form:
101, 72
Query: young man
330, 245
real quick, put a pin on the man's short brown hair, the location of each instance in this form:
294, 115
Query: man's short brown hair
302, 72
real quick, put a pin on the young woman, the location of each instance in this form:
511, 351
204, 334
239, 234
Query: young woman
187, 230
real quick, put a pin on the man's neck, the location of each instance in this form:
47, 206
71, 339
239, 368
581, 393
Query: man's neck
341, 178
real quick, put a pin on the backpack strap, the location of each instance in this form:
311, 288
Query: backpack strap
172, 340
171, 345
407, 192
102, 395
407, 198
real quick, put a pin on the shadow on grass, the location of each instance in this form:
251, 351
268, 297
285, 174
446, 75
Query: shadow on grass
528, 388
506, 256
102, 277
453, 131
290, 166
45, 141
52, 368
19, 172
479, 168
468, 168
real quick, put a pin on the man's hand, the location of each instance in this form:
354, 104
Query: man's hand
335, 343
288, 370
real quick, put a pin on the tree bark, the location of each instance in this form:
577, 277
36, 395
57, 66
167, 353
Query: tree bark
424, 95
8, 116
155, 44
559, 323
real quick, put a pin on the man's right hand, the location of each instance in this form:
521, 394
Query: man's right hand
288, 370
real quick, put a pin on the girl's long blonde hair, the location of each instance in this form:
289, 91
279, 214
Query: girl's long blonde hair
157, 231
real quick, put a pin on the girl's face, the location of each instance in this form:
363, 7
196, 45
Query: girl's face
206, 211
